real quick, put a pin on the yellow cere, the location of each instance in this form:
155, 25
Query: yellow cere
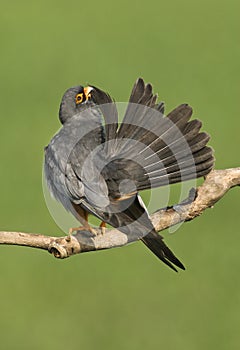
87, 92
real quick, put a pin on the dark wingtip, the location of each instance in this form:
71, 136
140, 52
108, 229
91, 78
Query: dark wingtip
139, 80
166, 262
186, 106
182, 267
179, 264
155, 243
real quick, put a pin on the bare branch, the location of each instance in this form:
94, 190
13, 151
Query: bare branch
215, 186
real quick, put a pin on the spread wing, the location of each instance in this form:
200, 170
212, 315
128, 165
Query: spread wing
151, 150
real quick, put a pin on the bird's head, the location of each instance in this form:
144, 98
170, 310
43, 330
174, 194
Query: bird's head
73, 101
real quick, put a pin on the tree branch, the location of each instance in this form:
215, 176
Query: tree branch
215, 186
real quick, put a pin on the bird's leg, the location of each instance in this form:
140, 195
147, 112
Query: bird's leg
85, 225
103, 227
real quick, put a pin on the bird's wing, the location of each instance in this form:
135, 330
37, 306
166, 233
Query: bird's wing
54, 169
151, 150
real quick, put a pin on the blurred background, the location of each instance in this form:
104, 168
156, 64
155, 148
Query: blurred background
122, 298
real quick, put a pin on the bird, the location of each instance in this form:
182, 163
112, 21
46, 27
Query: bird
97, 165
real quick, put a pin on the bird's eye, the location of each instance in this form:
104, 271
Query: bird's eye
79, 98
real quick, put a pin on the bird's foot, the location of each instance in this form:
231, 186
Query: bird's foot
82, 228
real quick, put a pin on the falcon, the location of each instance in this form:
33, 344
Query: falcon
98, 165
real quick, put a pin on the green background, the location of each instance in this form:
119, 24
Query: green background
123, 298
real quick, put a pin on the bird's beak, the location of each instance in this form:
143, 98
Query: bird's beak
87, 92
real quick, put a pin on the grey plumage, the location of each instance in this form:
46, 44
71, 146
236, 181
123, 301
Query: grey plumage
99, 166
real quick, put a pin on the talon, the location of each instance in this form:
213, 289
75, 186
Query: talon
92, 230
103, 227
68, 238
